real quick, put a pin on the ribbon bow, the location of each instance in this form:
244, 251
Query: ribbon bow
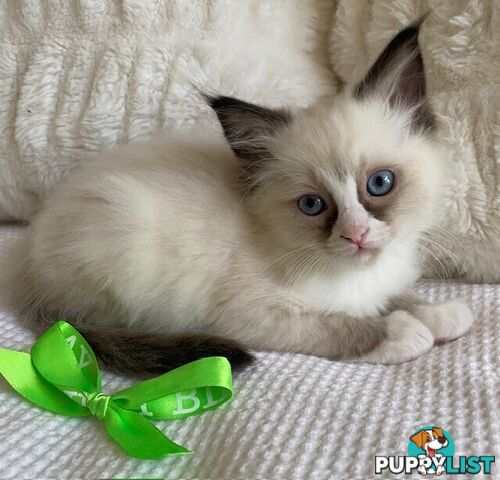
61, 375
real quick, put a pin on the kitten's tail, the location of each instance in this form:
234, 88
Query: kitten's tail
119, 349
153, 354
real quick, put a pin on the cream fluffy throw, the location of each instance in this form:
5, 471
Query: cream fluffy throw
79, 76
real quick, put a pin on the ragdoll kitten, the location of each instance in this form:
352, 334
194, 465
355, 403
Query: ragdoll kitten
306, 242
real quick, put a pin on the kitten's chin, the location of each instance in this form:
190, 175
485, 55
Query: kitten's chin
362, 255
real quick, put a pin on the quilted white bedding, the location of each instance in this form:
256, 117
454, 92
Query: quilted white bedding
292, 416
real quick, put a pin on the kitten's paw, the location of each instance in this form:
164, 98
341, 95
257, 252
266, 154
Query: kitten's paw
406, 339
447, 321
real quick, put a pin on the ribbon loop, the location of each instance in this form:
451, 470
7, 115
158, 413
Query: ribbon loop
61, 375
63, 345
98, 403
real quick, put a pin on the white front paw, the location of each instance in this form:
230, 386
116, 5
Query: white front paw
447, 321
406, 339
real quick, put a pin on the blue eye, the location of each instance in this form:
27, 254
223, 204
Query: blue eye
311, 204
380, 183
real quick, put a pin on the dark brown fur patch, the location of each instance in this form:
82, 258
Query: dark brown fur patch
410, 88
388, 208
152, 354
144, 354
247, 128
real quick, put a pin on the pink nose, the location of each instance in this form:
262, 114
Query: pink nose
356, 237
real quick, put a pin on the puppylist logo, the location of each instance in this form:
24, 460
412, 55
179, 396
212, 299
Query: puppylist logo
431, 451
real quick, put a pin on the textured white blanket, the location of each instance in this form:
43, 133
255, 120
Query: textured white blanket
292, 416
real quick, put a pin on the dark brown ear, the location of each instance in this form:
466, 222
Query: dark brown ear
398, 74
248, 127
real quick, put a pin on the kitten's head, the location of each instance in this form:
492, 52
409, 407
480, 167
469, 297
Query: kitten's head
351, 177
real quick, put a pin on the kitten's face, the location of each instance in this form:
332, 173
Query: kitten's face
346, 180
352, 177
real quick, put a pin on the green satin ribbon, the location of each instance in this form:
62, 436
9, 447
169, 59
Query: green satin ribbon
61, 375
